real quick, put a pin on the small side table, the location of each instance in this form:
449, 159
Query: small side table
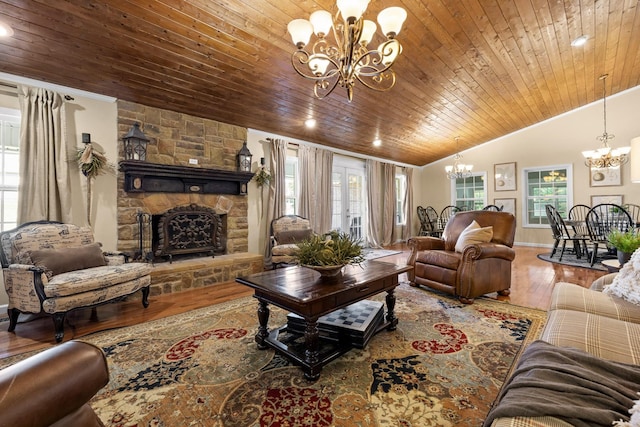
613, 265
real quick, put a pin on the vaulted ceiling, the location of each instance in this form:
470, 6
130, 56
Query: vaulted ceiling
473, 69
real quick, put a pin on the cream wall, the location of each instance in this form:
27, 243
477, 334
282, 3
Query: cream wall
553, 142
99, 119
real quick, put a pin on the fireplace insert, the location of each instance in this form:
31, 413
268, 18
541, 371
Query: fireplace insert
183, 232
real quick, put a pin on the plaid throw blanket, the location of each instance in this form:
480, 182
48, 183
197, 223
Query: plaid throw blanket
568, 384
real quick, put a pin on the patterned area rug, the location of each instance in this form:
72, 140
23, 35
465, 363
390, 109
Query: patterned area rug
443, 366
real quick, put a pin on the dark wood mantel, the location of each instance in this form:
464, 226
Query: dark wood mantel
141, 177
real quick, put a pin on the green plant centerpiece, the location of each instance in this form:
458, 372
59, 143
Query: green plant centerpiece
328, 253
625, 242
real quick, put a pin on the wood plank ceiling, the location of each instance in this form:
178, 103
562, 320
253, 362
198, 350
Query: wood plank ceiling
474, 69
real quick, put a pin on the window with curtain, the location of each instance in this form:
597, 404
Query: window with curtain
9, 164
547, 185
291, 186
470, 193
401, 188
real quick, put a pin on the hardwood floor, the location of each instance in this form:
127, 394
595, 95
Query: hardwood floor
532, 283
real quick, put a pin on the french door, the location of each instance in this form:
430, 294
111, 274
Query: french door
349, 205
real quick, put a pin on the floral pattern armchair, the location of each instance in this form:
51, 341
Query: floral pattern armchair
53, 268
286, 231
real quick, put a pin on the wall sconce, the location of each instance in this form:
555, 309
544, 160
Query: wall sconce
135, 144
635, 160
244, 158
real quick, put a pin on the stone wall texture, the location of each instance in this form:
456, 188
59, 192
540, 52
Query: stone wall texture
175, 138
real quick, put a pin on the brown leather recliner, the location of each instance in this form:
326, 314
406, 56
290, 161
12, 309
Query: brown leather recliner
480, 268
53, 388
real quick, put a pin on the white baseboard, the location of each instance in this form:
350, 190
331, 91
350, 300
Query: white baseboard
533, 245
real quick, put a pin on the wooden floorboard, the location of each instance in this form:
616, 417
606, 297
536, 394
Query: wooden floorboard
532, 284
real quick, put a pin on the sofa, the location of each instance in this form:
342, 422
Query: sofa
53, 387
52, 268
592, 326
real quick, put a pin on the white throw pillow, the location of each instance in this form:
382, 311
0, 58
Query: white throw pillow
473, 234
626, 284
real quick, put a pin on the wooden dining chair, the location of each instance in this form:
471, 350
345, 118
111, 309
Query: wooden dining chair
446, 214
603, 218
561, 233
577, 223
493, 208
432, 217
425, 227
634, 212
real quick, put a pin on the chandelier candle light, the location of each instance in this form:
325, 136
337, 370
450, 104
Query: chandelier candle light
458, 170
349, 59
606, 157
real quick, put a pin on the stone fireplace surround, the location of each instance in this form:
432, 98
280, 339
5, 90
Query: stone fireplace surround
175, 138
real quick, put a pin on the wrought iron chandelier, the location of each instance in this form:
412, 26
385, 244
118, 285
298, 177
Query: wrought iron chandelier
606, 157
458, 169
349, 60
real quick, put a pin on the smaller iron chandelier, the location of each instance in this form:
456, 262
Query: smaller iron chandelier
606, 157
349, 60
458, 169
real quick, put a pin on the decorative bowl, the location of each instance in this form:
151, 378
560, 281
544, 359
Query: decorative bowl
327, 270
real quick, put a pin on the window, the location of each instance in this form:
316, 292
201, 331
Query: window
470, 193
9, 165
548, 185
401, 189
291, 186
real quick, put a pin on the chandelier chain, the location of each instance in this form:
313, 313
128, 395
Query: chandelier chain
606, 157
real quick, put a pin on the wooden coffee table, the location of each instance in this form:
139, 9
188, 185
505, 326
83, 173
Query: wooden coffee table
302, 291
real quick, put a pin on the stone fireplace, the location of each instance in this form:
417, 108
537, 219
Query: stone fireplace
191, 161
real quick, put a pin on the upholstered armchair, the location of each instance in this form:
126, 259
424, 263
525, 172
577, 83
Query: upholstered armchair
470, 260
286, 232
53, 268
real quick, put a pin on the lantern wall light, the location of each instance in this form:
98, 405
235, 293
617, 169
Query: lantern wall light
244, 158
135, 144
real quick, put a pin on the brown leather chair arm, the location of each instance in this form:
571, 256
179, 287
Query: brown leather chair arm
421, 243
488, 250
52, 385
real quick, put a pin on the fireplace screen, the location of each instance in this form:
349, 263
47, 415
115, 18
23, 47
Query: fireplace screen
185, 231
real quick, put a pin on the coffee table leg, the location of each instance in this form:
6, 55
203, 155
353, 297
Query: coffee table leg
312, 350
263, 331
391, 304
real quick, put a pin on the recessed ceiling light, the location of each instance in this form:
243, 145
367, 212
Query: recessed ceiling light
310, 123
377, 142
5, 30
580, 41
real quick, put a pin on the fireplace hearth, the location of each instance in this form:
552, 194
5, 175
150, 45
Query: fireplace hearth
182, 232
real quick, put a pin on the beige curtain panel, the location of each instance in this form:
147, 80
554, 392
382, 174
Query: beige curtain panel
44, 158
277, 193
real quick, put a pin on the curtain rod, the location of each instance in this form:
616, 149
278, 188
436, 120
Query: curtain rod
14, 89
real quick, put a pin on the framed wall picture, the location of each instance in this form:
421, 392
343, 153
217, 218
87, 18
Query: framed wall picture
605, 177
616, 200
508, 205
505, 176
